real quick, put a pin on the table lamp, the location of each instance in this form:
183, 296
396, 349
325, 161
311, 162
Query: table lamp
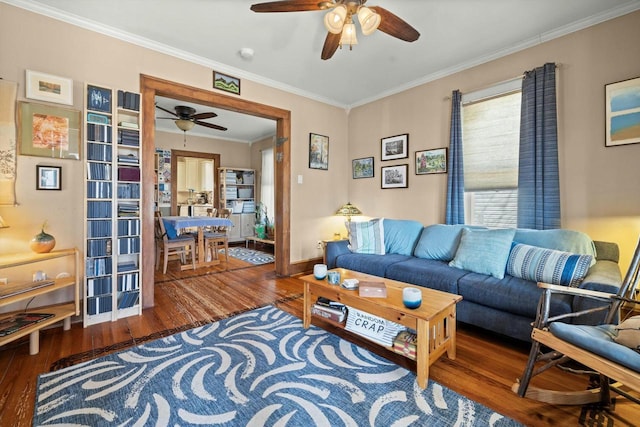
348, 210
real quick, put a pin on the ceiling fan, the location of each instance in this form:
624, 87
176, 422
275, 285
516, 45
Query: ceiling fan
339, 20
186, 118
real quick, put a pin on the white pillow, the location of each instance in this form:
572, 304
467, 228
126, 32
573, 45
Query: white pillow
366, 237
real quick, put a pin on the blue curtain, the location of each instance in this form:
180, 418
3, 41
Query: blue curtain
455, 178
538, 178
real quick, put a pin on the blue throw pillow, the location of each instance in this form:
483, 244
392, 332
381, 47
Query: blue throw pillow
547, 265
172, 233
401, 235
367, 237
439, 242
484, 251
572, 241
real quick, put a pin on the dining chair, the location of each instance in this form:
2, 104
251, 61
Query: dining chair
218, 237
180, 245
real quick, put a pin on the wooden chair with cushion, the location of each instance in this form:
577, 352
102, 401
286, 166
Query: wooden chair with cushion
611, 350
218, 237
180, 245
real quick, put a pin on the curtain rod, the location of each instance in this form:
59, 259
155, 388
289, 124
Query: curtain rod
519, 76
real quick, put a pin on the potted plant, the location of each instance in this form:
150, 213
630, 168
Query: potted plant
262, 221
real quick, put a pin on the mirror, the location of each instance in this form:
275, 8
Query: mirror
195, 188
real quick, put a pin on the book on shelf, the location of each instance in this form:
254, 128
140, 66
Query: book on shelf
334, 314
405, 343
19, 321
372, 289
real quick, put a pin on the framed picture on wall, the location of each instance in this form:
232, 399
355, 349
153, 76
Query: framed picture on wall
395, 147
48, 131
623, 112
318, 151
431, 161
46, 87
362, 168
98, 99
395, 176
48, 177
227, 83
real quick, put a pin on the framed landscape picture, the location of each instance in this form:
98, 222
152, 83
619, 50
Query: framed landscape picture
227, 83
318, 151
362, 168
431, 161
46, 87
395, 176
623, 112
395, 147
48, 131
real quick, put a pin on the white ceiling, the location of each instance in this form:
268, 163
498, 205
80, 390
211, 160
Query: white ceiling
455, 35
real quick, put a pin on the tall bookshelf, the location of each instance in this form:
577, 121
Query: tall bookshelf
112, 123
237, 192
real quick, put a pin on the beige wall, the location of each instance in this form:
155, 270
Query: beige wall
31, 41
600, 187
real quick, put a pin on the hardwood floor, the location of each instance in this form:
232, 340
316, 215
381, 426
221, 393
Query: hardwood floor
485, 367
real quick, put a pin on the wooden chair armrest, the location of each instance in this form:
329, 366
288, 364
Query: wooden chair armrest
558, 289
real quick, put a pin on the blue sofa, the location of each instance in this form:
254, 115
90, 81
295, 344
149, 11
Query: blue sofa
507, 305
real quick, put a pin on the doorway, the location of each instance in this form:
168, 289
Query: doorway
150, 87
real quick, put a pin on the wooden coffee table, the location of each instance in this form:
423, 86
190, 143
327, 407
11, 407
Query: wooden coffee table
434, 320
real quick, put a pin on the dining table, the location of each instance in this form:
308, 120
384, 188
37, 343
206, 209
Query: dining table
199, 222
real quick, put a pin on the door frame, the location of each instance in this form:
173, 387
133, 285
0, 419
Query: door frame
150, 87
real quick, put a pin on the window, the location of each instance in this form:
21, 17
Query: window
267, 183
490, 138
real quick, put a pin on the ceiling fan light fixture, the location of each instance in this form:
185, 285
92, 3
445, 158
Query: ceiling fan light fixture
369, 20
349, 35
184, 125
334, 20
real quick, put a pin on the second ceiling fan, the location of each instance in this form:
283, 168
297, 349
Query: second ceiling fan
339, 20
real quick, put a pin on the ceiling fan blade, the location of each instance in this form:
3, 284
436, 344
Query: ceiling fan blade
287, 6
395, 26
166, 111
210, 125
201, 116
330, 45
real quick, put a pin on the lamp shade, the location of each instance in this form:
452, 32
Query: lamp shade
185, 125
369, 20
334, 20
348, 210
349, 35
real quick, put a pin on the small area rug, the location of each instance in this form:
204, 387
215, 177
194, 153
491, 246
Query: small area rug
257, 368
250, 255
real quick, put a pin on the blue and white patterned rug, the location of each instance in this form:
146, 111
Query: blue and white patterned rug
250, 255
258, 368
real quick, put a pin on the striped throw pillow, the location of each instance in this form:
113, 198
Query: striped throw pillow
366, 237
547, 265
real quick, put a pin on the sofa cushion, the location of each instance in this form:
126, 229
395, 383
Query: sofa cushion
439, 242
510, 294
369, 263
431, 274
367, 237
575, 242
547, 265
401, 235
484, 251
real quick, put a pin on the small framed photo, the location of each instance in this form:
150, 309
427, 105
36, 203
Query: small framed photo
395, 147
318, 151
431, 161
226, 83
362, 168
623, 112
48, 177
46, 87
48, 131
395, 176
98, 99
